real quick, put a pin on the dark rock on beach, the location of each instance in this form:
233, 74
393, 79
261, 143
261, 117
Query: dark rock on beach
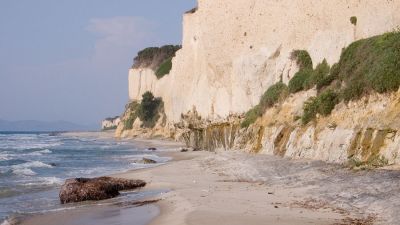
84, 189
151, 149
145, 161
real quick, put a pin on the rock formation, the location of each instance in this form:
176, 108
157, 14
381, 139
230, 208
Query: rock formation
84, 189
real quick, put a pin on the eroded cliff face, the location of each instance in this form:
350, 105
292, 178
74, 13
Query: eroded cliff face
234, 50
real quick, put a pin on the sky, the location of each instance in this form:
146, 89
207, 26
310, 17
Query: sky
69, 59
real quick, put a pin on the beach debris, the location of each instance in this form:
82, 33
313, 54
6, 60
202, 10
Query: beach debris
100, 188
137, 203
184, 150
145, 161
151, 149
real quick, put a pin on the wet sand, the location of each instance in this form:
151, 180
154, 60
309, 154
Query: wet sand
99, 215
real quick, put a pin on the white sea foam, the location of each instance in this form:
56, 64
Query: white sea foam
45, 181
39, 153
23, 171
46, 151
32, 164
4, 156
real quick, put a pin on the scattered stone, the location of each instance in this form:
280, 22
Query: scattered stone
184, 150
145, 161
270, 193
276, 207
196, 149
84, 189
151, 149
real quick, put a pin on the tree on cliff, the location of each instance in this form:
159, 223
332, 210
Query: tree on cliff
148, 111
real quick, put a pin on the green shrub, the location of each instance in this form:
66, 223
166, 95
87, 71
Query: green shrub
154, 57
300, 80
323, 104
329, 78
274, 94
148, 111
309, 110
326, 102
321, 72
372, 63
353, 20
302, 58
164, 68
353, 91
251, 116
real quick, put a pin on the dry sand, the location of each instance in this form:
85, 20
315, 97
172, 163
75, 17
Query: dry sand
205, 192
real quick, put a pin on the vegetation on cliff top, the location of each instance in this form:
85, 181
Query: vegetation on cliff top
164, 68
156, 58
366, 66
148, 111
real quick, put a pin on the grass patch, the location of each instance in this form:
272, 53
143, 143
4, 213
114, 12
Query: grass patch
366, 66
164, 68
303, 59
251, 116
323, 104
275, 94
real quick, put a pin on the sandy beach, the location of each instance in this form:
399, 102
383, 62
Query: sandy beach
209, 191
238, 188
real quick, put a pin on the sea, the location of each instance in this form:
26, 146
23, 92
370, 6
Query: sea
33, 166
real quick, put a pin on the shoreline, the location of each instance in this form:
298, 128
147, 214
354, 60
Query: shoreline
123, 206
231, 187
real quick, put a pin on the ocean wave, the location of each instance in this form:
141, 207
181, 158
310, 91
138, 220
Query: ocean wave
4, 156
32, 164
48, 181
39, 153
23, 172
16, 145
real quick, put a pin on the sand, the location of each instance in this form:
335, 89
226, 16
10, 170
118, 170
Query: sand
237, 188
201, 194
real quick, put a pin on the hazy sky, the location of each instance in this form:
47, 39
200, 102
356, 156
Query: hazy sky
69, 59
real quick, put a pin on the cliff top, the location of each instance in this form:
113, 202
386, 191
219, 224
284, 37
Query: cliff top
153, 57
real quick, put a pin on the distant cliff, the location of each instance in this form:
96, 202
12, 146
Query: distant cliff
234, 51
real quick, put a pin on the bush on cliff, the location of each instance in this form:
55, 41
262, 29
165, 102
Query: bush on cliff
273, 95
158, 59
251, 116
373, 63
164, 68
302, 77
302, 58
149, 108
276, 93
323, 104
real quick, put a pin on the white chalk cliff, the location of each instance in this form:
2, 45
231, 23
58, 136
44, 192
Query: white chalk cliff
232, 51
